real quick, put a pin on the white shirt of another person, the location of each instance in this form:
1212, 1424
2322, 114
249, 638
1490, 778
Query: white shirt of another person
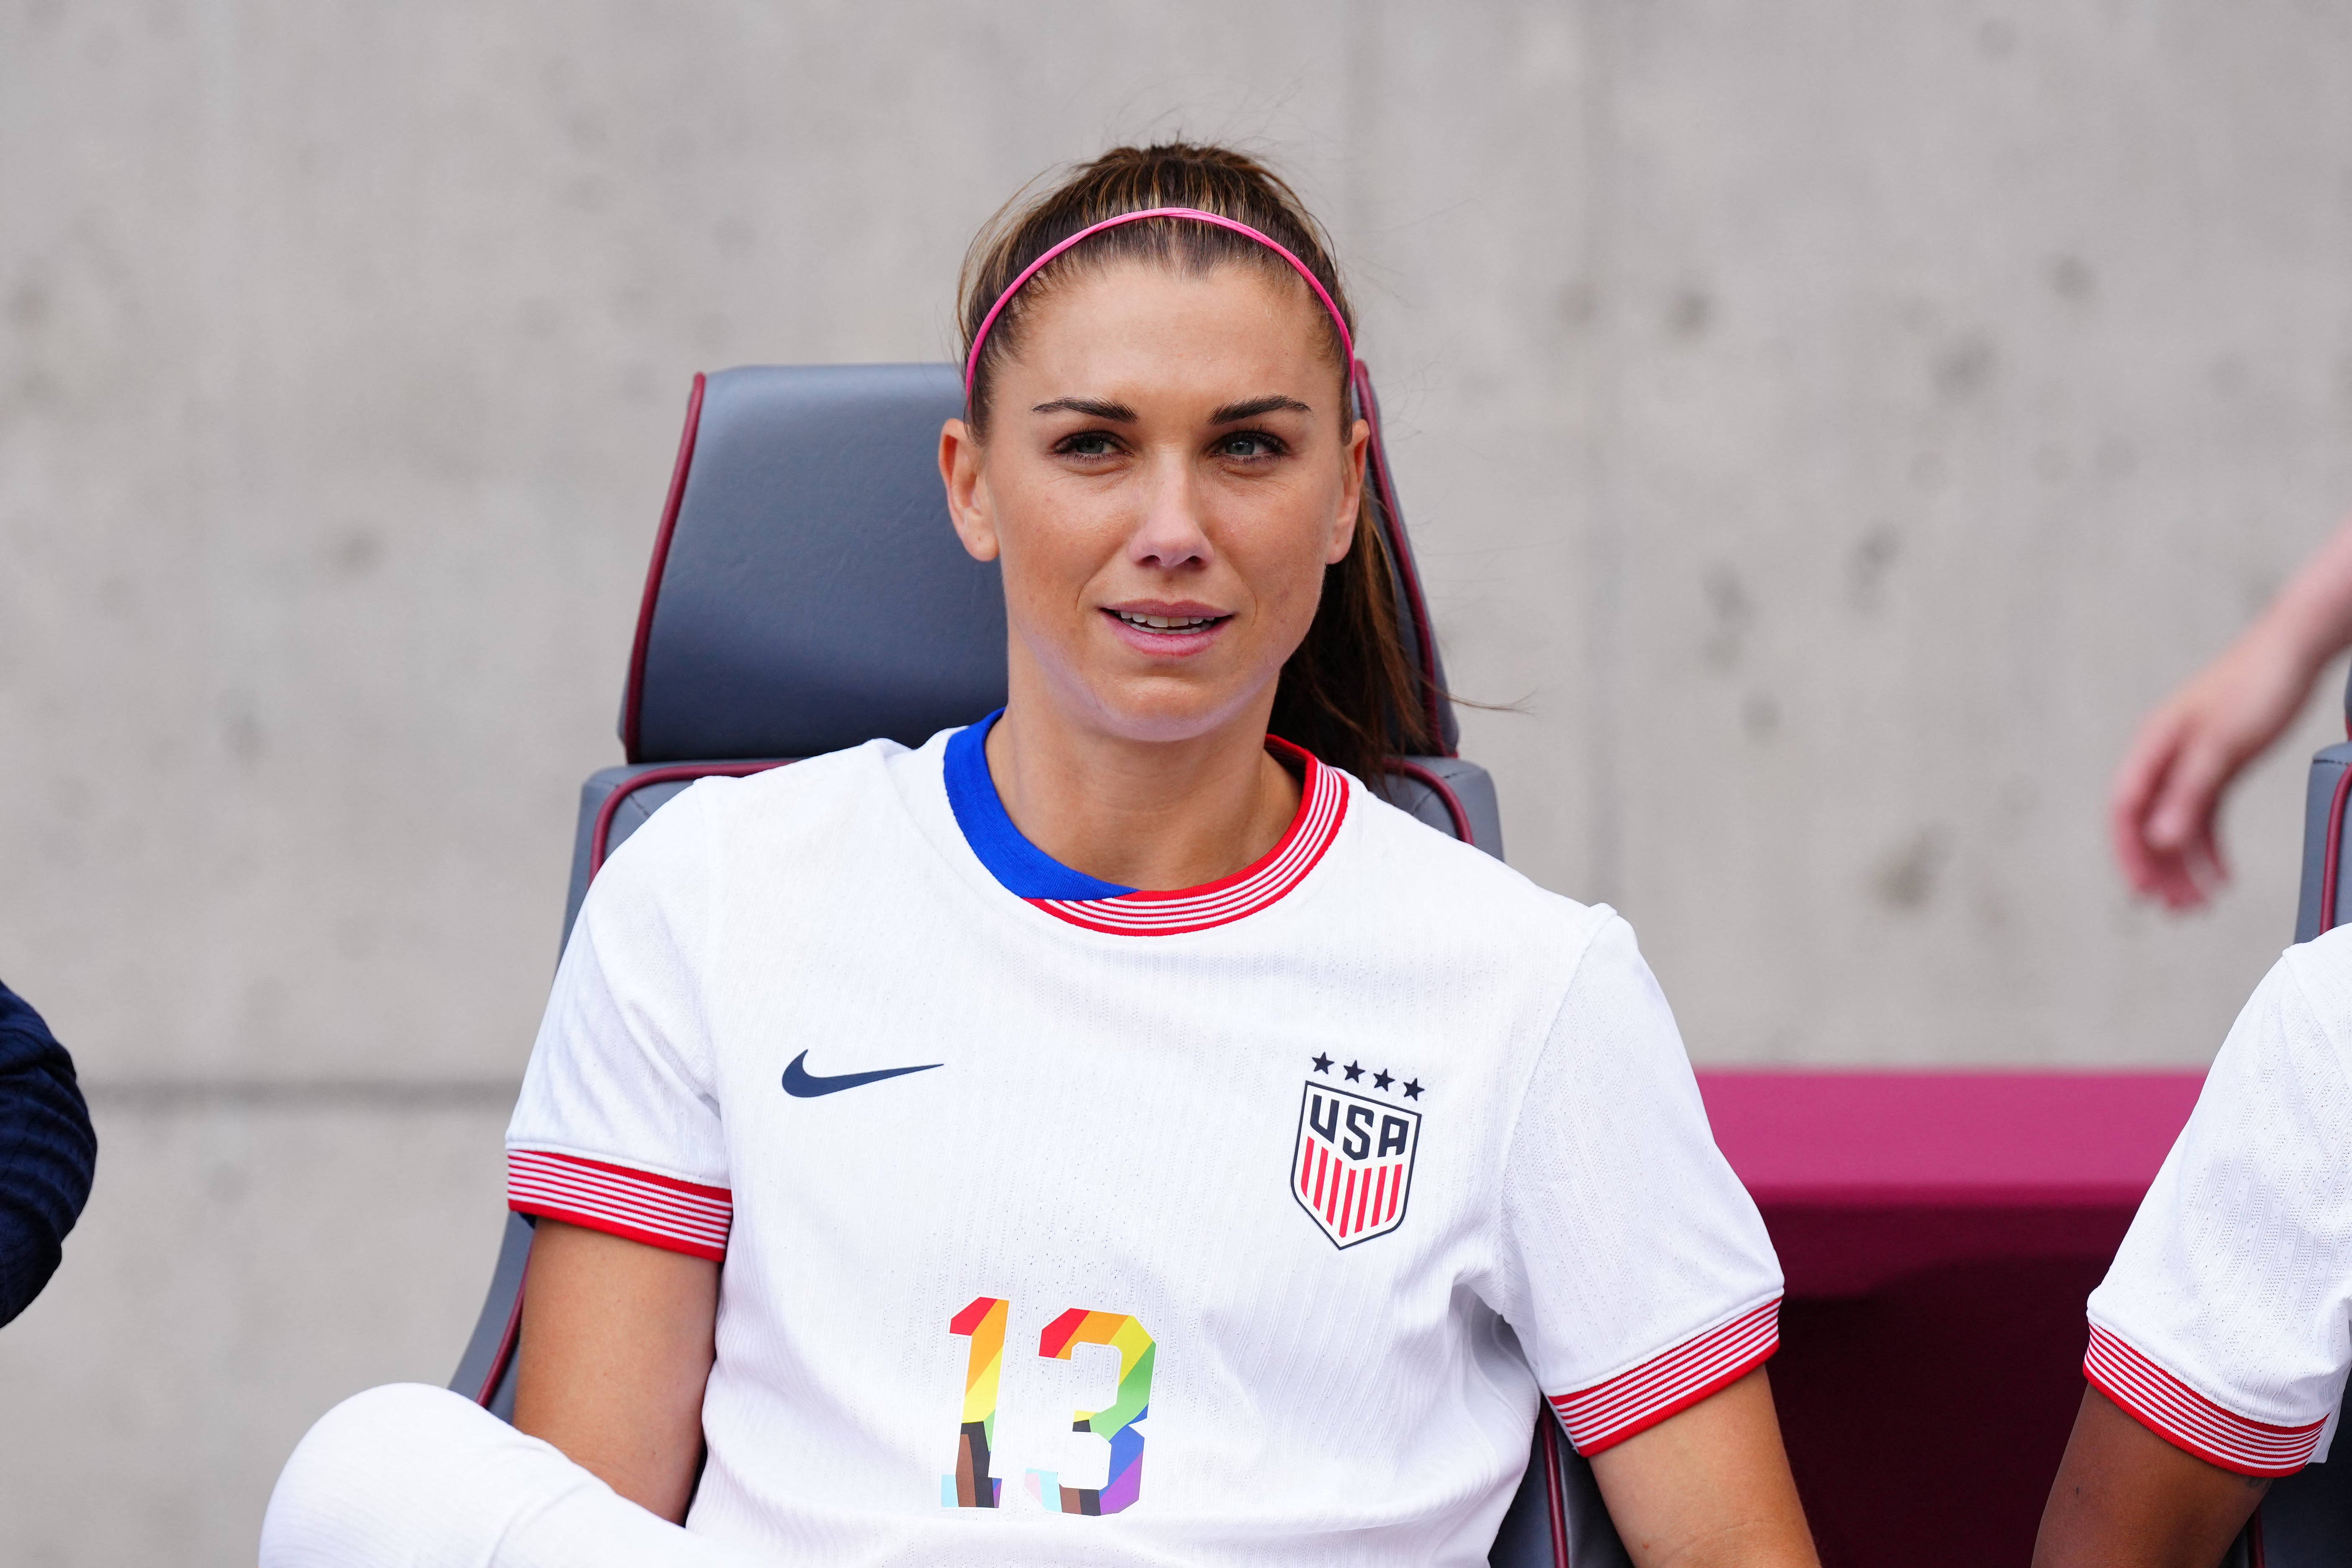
1060, 1222
2225, 1324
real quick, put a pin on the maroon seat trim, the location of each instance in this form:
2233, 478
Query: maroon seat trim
507, 1342
634, 704
2328, 875
1555, 1495
1440, 788
600, 835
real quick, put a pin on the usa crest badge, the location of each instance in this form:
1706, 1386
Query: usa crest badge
1352, 1167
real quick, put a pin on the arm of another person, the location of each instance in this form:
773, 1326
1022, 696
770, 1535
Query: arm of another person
47, 1152
2216, 1347
2125, 1497
617, 1346
2189, 748
1708, 1487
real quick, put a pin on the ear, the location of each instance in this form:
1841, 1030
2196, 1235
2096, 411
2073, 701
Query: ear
961, 466
1352, 494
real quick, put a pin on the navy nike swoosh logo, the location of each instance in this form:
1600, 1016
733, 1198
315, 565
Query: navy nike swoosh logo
802, 1084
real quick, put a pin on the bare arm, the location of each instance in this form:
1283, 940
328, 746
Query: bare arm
1709, 1487
2168, 787
617, 1343
2125, 1497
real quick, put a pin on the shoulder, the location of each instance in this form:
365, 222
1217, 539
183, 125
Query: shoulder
2314, 978
823, 816
756, 798
2292, 1041
1453, 893
26, 1043
46, 1147
2287, 1060
719, 817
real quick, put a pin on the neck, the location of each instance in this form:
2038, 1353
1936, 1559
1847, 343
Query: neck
1142, 814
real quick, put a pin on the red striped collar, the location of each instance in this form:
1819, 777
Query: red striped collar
1036, 879
1322, 806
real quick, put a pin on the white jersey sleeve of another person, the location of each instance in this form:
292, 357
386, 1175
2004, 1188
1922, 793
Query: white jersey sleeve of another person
618, 1127
1638, 1274
2223, 1325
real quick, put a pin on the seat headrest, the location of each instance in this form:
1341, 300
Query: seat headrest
807, 592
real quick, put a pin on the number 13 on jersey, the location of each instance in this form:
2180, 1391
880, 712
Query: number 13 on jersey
982, 1324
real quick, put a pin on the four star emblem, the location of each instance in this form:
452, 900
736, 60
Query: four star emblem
1381, 1080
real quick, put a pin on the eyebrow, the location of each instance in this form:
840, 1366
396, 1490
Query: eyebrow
1094, 407
1233, 413
1120, 414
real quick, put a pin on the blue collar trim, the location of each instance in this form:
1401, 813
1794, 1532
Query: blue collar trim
1026, 871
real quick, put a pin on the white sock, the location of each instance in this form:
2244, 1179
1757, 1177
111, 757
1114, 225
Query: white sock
412, 1476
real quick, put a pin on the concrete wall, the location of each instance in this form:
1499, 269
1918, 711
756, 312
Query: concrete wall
1830, 424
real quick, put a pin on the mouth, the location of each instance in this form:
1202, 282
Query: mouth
1175, 626
1166, 629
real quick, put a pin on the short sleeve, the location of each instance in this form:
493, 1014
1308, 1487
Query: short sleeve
2222, 1324
1640, 1276
618, 1127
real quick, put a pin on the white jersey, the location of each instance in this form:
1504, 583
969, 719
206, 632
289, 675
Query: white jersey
2225, 1324
1066, 1223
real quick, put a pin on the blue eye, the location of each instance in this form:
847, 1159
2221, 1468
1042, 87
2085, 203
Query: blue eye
1248, 445
1088, 444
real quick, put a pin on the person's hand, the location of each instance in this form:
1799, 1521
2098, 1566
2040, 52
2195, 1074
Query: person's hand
2168, 790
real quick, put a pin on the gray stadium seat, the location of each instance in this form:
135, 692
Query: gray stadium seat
807, 593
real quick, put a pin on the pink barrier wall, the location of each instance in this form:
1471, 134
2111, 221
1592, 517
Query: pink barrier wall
1940, 1232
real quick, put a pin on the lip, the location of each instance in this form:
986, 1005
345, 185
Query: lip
1166, 645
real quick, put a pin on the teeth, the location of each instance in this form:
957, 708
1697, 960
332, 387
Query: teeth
1167, 623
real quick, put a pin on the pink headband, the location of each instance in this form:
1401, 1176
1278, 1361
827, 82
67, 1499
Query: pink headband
980, 338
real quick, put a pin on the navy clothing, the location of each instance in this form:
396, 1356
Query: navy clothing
47, 1152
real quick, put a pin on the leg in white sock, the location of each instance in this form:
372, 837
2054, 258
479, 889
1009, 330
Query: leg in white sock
411, 1477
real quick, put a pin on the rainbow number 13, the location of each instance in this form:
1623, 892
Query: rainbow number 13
982, 1324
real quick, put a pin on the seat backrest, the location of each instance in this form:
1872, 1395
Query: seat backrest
807, 593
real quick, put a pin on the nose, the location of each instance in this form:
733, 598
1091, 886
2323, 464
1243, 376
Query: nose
1171, 535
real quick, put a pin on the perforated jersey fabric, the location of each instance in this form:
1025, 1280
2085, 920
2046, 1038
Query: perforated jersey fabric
1062, 1233
2225, 1324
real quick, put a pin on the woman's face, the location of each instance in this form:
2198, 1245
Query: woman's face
1167, 474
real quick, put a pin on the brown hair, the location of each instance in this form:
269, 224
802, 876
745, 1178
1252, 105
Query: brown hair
1349, 693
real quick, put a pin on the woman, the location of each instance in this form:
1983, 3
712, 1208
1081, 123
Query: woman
1307, 1146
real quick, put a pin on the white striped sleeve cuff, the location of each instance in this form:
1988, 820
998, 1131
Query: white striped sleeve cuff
2187, 1419
660, 1211
1670, 1383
